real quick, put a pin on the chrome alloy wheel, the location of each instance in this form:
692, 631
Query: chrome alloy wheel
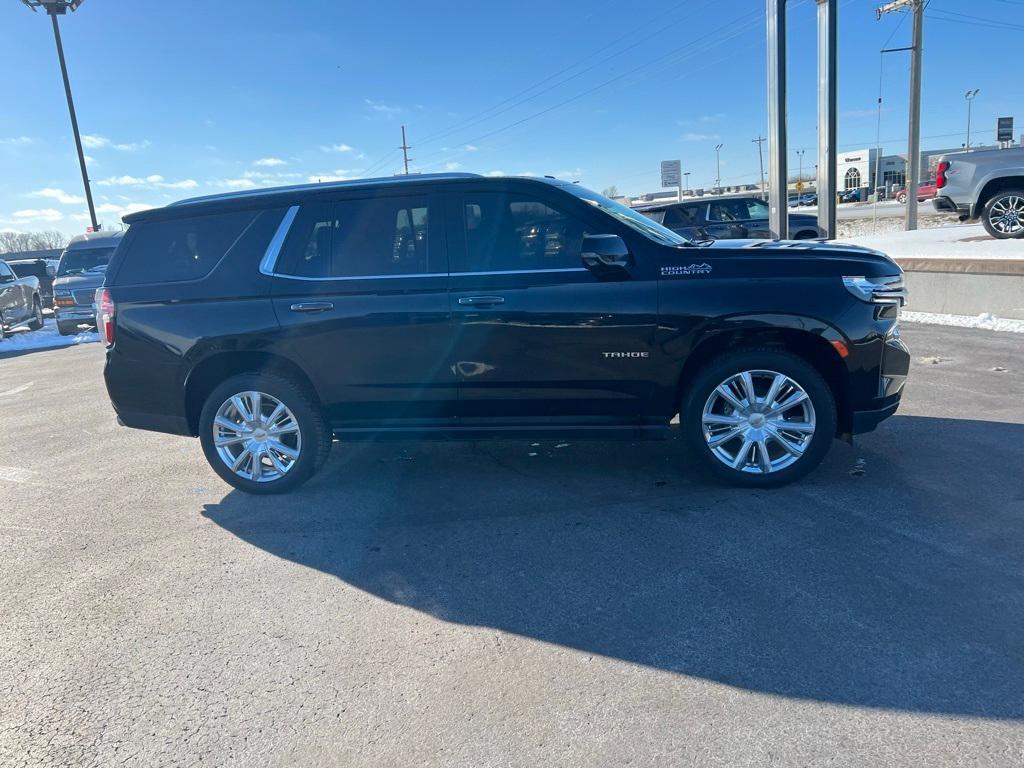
758, 422
1007, 215
256, 436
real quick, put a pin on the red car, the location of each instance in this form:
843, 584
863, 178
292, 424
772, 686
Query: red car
924, 192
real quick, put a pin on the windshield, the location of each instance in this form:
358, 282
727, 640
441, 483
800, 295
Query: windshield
629, 217
83, 260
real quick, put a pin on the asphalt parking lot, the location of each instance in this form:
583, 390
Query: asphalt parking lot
471, 604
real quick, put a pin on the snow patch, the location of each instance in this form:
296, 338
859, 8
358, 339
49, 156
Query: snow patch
951, 241
47, 337
985, 321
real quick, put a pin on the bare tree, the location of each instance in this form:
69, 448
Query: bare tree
611, 191
12, 242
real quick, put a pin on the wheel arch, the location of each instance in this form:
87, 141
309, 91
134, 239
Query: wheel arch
992, 188
214, 369
813, 346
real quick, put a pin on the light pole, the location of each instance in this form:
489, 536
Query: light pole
970, 100
760, 159
800, 162
686, 179
718, 167
57, 8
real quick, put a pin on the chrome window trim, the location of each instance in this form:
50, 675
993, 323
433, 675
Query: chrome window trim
269, 260
428, 274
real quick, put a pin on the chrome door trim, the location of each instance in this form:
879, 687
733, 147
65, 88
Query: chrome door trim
269, 260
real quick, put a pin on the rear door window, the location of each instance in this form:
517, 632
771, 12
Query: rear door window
677, 218
727, 210
384, 237
180, 249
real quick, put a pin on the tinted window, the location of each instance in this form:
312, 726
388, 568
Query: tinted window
511, 232
82, 260
31, 268
361, 238
757, 209
5, 271
727, 210
180, 249
655, 216
680, 217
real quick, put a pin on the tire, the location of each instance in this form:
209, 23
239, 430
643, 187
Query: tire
809, 447
311, 440
901, 198
37, 316
67, 329
1003, 214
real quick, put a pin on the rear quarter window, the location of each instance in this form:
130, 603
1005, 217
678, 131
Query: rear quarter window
180, 249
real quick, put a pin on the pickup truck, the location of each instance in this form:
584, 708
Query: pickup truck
20, 303
987, 185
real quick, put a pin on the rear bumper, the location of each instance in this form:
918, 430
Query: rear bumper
947, 204
76, 314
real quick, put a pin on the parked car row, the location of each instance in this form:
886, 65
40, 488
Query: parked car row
727, 218
67, 285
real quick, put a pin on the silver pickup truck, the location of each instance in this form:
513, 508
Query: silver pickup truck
986, 185
20, 303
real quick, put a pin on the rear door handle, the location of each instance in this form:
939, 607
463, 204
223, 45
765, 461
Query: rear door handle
481, 301
312, 306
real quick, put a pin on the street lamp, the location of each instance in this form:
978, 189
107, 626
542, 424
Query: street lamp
57, 8
718, 167
686, 177
800, 173
970, 100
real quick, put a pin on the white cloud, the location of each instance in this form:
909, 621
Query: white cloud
264, 176
59, 195
574, 174
90, 159
495, 173
699, 136
18, 141
270, 162
452, 166
154, 180
388, 110
95, 141
471, 148
335, 148
236, 183
338, 174
48, 215
121, 210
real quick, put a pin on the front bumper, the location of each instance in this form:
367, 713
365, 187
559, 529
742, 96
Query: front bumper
892, 376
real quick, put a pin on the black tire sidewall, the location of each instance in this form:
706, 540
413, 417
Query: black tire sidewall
988, 209
312, 426
720, 369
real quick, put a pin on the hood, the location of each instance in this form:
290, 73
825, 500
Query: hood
77, 282
807, 256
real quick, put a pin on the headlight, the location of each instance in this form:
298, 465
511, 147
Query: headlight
877, 290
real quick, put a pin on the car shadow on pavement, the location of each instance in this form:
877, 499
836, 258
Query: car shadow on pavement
892, 577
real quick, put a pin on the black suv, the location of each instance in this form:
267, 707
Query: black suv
270, 322
727, 218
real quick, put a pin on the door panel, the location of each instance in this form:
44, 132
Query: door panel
362, 298
538, 337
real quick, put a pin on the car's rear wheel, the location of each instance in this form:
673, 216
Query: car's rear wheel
901, 197
263, 433
37, 316
758, 418
1003, 214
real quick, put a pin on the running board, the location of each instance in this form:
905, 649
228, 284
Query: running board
597, 433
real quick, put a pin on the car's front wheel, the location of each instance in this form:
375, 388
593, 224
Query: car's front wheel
758, 418
263, 433
37, 316
1003, 215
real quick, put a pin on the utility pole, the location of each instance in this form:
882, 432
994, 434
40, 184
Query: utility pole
405, 151
914, 128
970, 100
778, 217
800, 160
760, 159
718, 167
57, 8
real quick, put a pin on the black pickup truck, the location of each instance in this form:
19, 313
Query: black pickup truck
20, 301
456, 306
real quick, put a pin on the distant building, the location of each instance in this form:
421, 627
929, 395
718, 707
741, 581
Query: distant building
858, 168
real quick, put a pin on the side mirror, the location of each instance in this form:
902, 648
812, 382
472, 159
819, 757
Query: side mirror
605, 253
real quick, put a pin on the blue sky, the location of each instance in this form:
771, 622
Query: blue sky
188, 97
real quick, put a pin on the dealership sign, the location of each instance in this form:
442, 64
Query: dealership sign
671, 173
1004, 129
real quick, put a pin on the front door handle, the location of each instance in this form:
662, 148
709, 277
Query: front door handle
312, 306
481, 301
